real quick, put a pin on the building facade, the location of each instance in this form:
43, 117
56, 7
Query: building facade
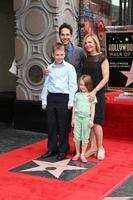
31, 27
37, 24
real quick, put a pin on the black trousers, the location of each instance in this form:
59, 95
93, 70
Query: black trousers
58, 122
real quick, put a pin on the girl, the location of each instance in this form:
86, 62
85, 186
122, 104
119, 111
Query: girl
83, 116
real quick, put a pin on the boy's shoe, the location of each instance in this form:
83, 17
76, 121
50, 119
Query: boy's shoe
61, 156
48, 154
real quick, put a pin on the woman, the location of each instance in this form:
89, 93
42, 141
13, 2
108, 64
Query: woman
96, 65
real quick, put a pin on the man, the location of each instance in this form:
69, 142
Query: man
73, 54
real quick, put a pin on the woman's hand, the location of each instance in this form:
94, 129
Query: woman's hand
92, 95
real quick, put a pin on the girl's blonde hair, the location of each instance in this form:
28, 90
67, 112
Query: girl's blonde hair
87, 81
95, 39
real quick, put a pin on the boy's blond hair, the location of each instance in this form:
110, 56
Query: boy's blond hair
58, 46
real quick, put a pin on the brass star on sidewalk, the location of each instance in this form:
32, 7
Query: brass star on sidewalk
55, 168
118, 198
129, 75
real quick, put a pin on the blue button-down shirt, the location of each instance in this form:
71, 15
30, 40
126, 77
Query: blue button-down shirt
69, 53
62, 78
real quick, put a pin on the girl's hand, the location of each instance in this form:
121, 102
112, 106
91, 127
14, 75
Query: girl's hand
44, 107
91, 124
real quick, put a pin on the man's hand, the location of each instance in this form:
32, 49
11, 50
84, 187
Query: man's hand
45, 71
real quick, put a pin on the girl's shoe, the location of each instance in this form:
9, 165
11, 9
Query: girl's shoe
101, 154
91, 152
75, 158
83, 159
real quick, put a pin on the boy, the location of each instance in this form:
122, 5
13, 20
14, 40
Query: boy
57, 96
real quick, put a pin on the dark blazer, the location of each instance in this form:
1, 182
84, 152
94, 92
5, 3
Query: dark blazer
78, 56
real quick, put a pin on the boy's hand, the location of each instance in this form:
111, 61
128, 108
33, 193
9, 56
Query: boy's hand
44, 107
70, 107
72, 123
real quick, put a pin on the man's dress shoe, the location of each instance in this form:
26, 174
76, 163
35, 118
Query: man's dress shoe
61, 156
48, 154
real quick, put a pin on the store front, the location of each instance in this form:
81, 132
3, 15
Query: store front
112, 21
96, 15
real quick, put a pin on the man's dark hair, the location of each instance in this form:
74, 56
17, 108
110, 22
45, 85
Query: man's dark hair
65, 25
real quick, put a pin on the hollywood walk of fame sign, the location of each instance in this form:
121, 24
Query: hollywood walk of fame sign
119, 48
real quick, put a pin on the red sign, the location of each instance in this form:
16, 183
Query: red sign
100, 30
88, 26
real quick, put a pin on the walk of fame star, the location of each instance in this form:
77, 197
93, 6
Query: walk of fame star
129, 75
118, 198
55, 168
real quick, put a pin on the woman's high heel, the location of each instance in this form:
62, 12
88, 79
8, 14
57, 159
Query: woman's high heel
91, 152
101, 154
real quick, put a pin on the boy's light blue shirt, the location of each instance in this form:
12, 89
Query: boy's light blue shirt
62, 78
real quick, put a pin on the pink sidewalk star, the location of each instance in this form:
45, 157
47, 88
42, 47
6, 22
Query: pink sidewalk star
129, 75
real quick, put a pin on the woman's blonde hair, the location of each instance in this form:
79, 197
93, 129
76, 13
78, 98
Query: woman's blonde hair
95, 39
87, 81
